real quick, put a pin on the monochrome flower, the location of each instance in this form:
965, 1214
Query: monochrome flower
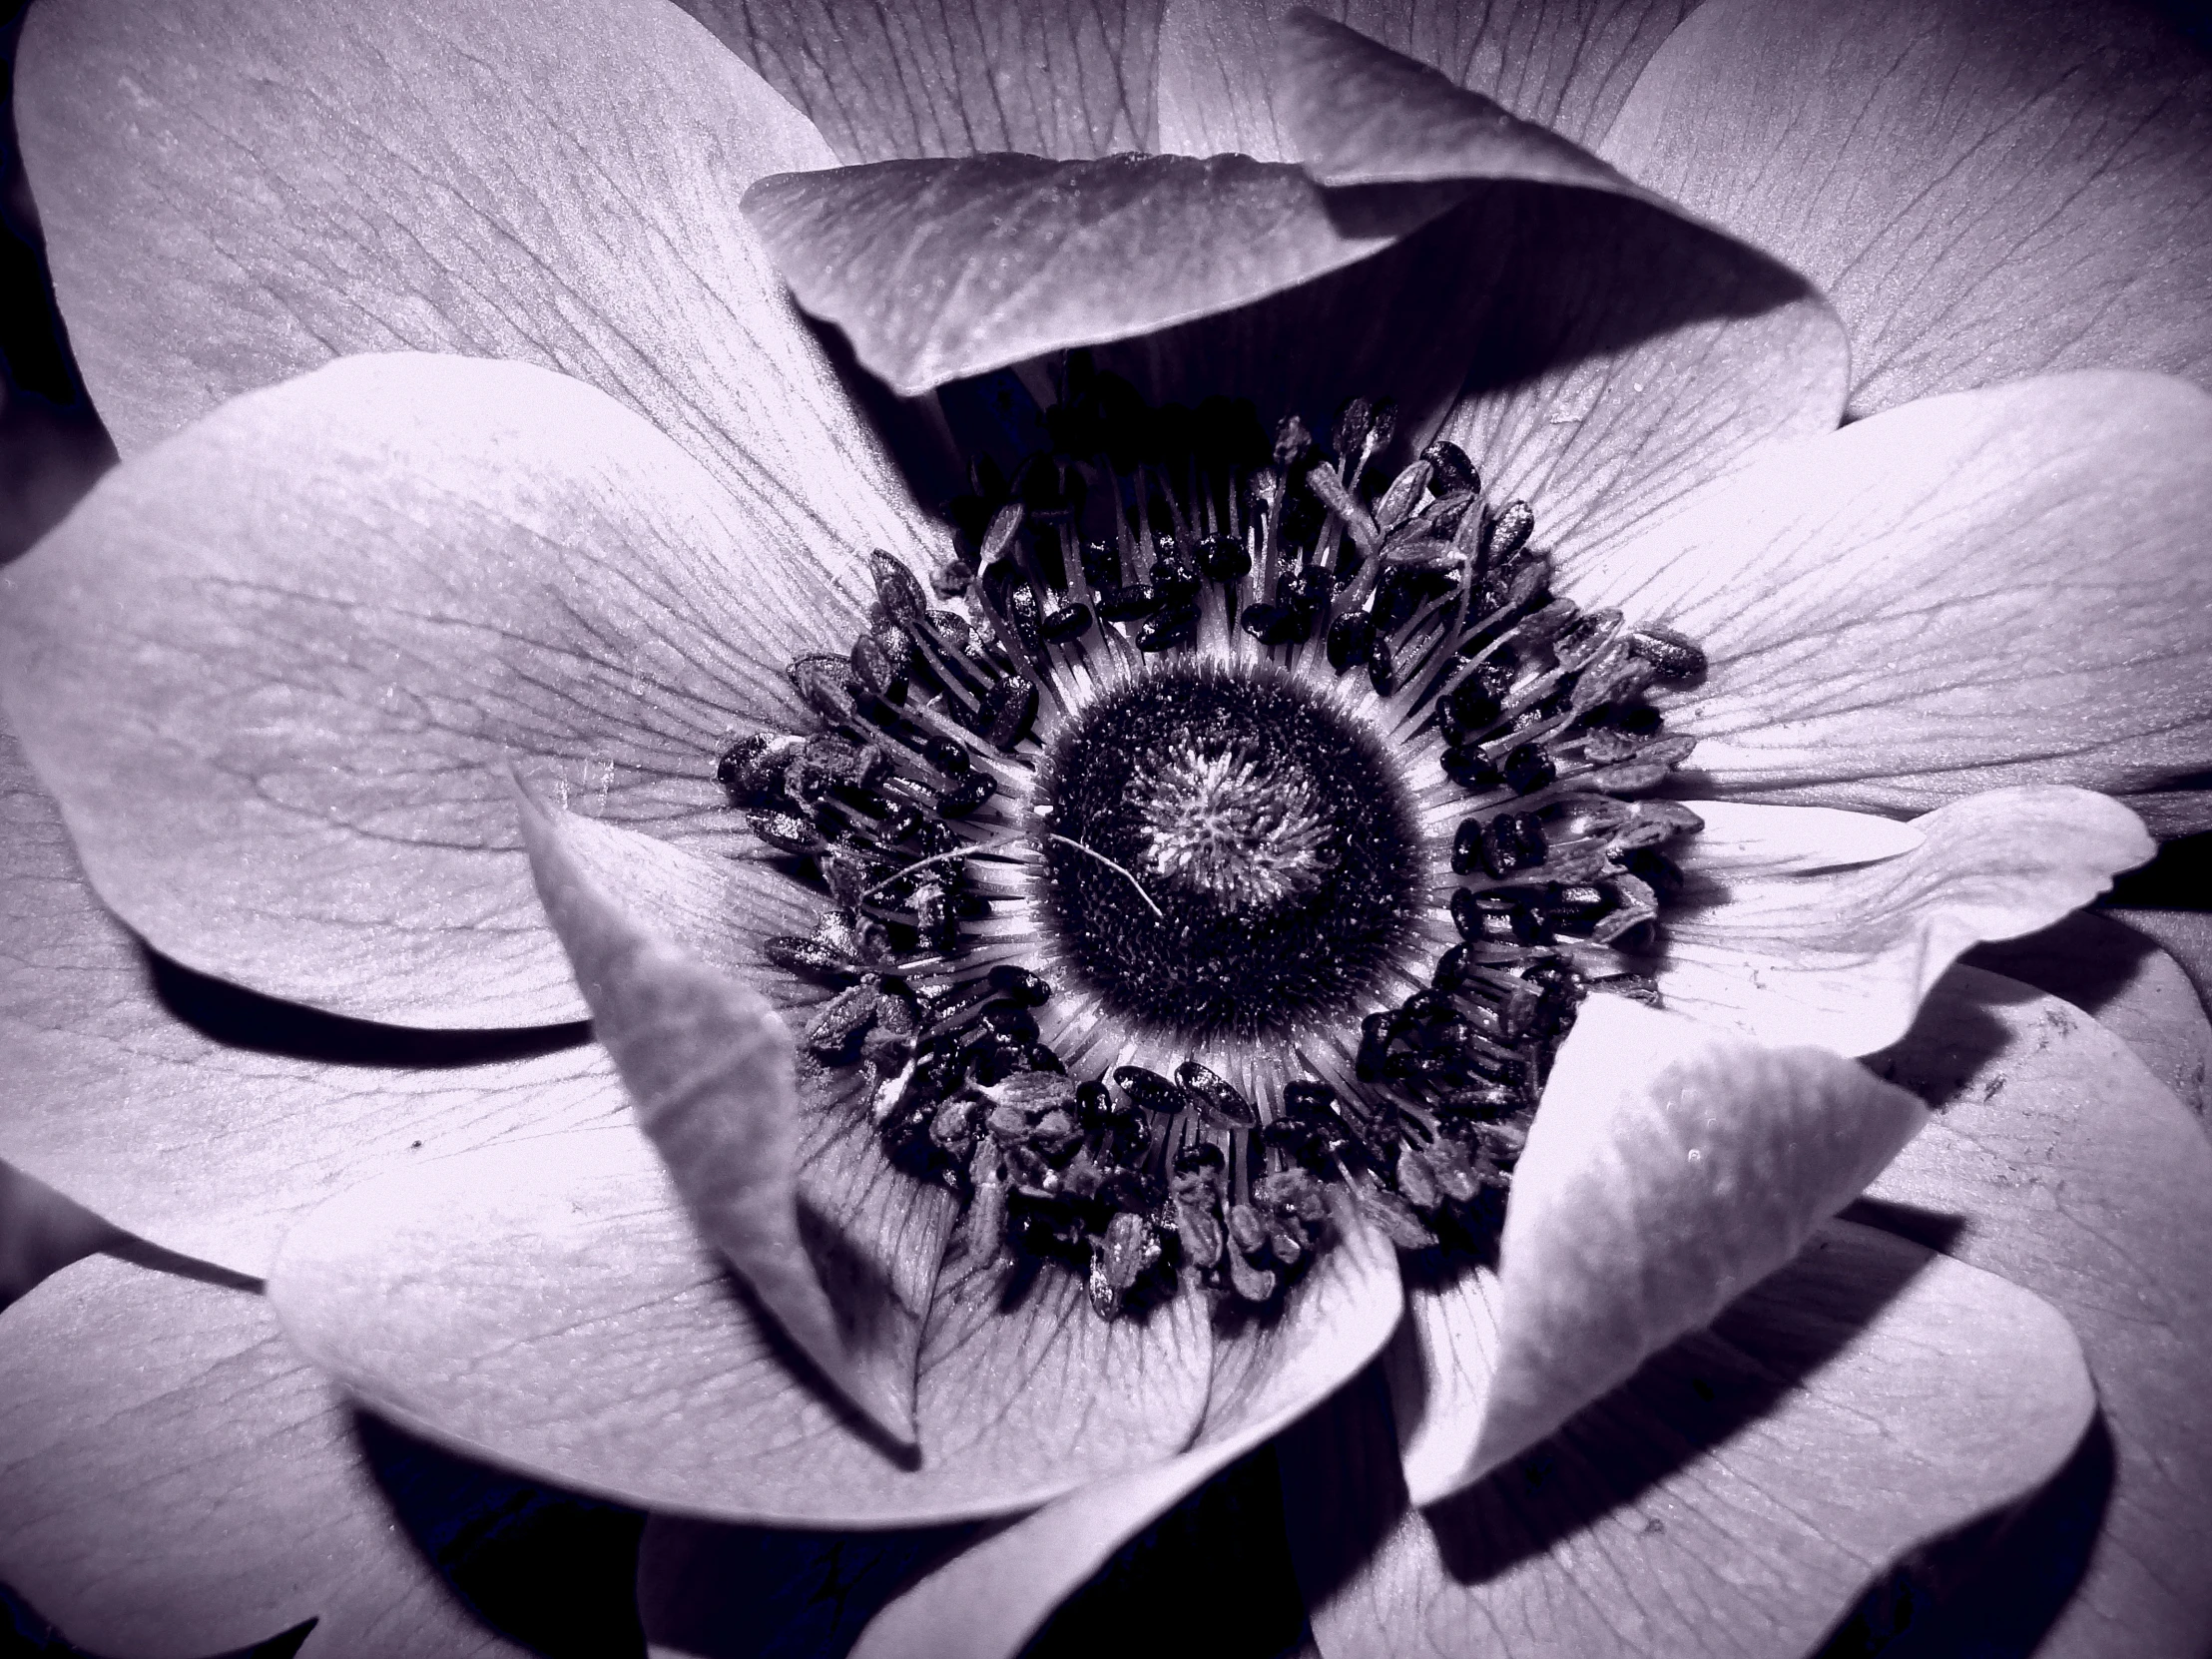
280, 669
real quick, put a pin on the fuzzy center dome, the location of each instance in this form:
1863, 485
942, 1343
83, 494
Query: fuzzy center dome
1231, 854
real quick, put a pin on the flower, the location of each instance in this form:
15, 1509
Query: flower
371, 936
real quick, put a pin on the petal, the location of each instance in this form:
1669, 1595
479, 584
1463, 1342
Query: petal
1669, 1169
174, 1483
2186, 933
941, 270
708, 1067
990, 1600
2104, 966
1740, 838
547, 1305
1735, 1496
233, 195
1842, 958
1997, 587
1355, 113
1985, 191
210, 1137
277, 670
2077, 1175
883, 82
1568, 63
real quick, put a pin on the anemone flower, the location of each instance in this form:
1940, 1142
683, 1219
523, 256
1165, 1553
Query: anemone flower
1374, 908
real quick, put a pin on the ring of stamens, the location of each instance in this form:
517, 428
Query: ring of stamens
985, 905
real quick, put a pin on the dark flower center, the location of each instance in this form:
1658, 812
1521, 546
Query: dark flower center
1240, 847
1237, 857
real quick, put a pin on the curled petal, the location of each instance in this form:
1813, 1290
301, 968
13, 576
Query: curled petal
1985, 189
998, 259
988, 1601
1045, 77
204, 1120
233, 194
1842, 957
548, 1304
2056, 1160
709, 1066
275, 671
1738, 837
1357, 113
1995, 587
175, 1482
1669, 1169
1568, 63
1742, 1489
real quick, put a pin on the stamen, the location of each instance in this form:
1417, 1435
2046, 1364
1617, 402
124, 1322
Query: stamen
1374, 789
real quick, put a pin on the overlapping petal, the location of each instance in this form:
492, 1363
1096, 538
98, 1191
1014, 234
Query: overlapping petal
1044, 77
1991, 588
1568, 63
210, 1491
1842, 958
276, 669
1668, 1170
2056, 1160
210, 1138
548, 1305
1987, 188
708, 1067
1733, 1497
233, 195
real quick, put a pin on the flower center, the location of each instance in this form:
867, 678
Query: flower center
1236, 854
1235, 858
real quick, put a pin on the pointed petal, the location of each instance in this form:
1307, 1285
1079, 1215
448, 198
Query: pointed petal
1740, 1490
1741, 838
1044, 76
2077, 1176
232, 195
2103, 965
1669, 1169
1842, 958
1568, 63
42, 1231
988, 1601
277, 670
547, 1305
174, 1483
1357, 113
1985, 191
1908, 610
707, 1066
210, 1137
940, 270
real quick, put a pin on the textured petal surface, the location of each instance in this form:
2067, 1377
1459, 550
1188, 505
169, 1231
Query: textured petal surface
1668, 1170
988, 1601
1045, 77
201, 1134
708, 1067
277, 670
548, 1305
1842, 958
1355, 113
1568, 63
1985, 189
233, 194
940, 270
2077, 1175
1996, 587
1732, 1498
2103, 964
175, 1482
